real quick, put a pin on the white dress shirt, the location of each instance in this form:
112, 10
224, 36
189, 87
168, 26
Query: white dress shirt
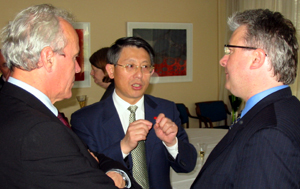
35, 92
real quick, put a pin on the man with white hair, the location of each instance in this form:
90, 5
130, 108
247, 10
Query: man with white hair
37, 149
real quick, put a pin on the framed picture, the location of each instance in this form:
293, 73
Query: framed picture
173, 46
83, 79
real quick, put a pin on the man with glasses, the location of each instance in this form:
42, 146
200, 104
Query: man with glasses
261, 150
109, 126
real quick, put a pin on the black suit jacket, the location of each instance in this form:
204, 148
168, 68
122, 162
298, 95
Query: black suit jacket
261, 151
1, 82
38, 151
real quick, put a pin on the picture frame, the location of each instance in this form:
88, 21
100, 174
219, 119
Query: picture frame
83, 79
173, 46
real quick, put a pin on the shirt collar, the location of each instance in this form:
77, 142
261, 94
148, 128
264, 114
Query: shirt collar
35, 92
259, 96
122, 105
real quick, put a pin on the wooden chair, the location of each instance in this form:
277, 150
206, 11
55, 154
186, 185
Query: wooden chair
184, 114
212, 111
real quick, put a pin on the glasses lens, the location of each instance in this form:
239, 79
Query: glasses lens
146, 69
130, 68
226, 50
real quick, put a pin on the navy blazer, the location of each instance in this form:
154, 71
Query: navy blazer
39, 151
99, 126
262, 150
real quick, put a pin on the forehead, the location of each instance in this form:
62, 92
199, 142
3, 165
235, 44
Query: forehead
238, 36
70, 33
134, 53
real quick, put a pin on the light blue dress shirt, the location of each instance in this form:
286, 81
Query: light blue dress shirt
258, 97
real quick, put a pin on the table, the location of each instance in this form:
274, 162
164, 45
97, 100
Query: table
203, 135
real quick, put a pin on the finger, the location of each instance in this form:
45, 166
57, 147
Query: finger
141, 123
138, 129
160, 117
171, 129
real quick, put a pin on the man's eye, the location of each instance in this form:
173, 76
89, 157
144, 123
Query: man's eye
130, 65
145, 66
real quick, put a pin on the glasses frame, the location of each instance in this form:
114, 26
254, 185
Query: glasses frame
235, 46
136, 67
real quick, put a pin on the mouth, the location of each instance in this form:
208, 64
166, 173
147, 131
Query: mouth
136, 86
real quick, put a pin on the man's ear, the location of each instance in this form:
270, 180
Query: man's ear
152, 71
110, 68
258, 59
47, 58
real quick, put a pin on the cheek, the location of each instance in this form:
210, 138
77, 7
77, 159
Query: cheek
97, 75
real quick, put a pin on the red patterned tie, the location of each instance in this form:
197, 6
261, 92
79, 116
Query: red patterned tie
63, 119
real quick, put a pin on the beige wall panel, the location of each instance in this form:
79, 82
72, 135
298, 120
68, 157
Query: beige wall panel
108, 20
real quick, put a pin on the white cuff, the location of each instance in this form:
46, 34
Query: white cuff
124, 175
173, 150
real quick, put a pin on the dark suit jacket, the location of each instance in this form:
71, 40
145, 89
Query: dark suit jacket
110, 89
99, 126
1, 82
261, 151
38, 151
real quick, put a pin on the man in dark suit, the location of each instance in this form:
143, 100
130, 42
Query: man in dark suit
106, 127
37, 149
4, 70
261, 150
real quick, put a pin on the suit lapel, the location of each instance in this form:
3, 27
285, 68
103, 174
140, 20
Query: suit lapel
150, 113
226, 141
111, 121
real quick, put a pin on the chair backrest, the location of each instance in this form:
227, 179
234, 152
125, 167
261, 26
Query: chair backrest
183, 114
215, 110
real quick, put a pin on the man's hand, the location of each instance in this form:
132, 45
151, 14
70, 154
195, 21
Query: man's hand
137, 131
166, 130
117, 178
93, 155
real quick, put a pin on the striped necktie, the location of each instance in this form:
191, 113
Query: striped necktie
139, 168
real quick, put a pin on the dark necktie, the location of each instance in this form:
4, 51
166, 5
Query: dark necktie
63, 119
139, 168
237, 120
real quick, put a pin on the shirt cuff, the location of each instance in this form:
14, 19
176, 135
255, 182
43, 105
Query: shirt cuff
173, 150
124, 175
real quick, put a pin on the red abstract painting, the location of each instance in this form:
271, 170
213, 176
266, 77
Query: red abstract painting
80, 59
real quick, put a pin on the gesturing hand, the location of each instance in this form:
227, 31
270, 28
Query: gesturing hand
137, 131
166, 130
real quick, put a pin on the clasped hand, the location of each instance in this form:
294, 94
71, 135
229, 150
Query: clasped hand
165, 129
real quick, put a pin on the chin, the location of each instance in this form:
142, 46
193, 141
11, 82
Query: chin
68, 95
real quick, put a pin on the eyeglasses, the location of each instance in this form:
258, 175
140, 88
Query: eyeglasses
227, 51
131, 68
